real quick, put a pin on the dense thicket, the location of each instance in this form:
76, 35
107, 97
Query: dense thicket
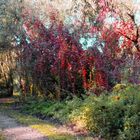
93, 53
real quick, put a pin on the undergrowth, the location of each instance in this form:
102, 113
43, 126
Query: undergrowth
114, 115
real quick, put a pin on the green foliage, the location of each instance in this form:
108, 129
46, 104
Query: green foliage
131, 128
55, 109
118, 87
113, 116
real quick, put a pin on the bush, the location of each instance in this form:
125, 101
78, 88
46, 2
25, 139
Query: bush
131, 128
109, 115
115, 115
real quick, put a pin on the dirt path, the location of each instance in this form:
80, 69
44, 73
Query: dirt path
14, 131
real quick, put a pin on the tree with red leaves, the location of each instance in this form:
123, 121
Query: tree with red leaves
57, 62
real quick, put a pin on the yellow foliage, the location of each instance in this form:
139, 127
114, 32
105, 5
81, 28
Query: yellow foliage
81, 120
118, 87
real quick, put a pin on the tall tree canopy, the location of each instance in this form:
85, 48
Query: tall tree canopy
73, 46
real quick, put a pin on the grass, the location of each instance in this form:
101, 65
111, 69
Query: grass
46, 128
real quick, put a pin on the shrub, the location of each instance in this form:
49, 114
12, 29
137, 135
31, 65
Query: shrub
115, 115
131, 128
108, 115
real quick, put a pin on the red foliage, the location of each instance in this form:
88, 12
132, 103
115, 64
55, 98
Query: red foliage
57, 54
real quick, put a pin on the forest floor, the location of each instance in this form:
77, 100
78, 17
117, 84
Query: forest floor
17, 126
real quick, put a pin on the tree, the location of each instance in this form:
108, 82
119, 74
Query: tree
54, 63
10, 11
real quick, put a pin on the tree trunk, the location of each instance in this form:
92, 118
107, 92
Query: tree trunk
9, 84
